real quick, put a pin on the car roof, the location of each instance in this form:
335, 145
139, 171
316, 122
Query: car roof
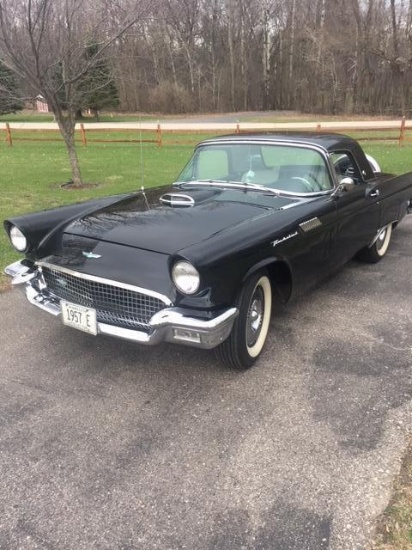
327, 141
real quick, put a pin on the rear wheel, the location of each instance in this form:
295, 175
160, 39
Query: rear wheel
245, 343
372, 254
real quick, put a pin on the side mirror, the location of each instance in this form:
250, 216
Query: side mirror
347, 184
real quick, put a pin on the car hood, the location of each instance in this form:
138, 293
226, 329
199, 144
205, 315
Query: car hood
152, 220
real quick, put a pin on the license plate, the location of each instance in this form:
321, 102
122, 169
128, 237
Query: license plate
80, 317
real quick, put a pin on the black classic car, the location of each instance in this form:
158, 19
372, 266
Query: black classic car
251, 218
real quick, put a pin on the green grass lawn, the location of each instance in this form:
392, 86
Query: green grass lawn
31, 174
27, 116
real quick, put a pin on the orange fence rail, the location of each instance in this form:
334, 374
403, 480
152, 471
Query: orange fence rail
402, 136
85, 139
88, 135
12, 135
329, 130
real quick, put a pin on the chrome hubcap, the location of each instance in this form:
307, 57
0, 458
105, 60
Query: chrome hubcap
381, 238
255, 317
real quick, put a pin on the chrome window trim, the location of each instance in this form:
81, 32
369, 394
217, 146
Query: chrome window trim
283, 143
110, 282
351, 157
297, 144
252, 187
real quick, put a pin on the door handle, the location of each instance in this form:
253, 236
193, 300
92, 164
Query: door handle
375, 193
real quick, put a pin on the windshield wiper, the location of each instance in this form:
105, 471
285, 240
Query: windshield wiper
235, 184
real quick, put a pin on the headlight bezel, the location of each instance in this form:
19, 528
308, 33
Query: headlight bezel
16, 235
185, 277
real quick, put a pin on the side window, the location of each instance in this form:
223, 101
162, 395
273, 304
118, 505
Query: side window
345, 167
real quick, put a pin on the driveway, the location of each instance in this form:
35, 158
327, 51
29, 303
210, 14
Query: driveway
109, 446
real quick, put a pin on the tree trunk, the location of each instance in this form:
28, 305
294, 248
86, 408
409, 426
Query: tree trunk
74, 162
67, 126
243, 59
398, 66
292, 43
231, 58
409, 22
171, 55
266, 58
189, 57
215, 20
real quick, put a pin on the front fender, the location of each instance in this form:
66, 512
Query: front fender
280, 274
37, 227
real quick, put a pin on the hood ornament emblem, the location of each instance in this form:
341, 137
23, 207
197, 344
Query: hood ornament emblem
91, 255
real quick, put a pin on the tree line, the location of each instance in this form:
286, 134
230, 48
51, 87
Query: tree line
323, 56
176, 56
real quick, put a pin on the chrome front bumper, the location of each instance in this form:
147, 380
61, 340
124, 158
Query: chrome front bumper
171, 324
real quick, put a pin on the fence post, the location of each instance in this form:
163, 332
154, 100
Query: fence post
402, 131
83, 134
8, 135
159, 135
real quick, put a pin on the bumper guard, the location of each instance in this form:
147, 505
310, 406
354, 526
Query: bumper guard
171, 324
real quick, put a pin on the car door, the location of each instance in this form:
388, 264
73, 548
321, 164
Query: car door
394, 196
309, 245
358, 211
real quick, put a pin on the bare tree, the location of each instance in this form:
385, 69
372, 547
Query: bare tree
45, 42
324, 56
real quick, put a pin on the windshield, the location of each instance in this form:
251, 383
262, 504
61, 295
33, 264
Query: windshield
286, 168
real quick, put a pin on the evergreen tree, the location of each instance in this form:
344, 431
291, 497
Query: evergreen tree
97, 87
9, 93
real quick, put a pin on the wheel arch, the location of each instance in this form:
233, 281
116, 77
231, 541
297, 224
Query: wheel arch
280, 276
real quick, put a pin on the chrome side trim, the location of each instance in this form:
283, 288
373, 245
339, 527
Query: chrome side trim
96, 279
291, 205
311, 224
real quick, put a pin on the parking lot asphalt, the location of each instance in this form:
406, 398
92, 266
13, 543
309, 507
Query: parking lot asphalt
107, 445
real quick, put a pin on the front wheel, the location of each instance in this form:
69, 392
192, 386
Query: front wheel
372, 254
245, 343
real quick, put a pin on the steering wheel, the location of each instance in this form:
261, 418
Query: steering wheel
309, 186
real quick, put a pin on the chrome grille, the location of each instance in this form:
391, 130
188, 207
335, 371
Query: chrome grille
114, 305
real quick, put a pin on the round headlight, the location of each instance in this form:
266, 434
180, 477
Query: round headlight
18, 240
186, 277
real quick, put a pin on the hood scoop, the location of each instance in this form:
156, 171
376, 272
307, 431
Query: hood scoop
177, 200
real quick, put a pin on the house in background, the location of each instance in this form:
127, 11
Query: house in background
42, 105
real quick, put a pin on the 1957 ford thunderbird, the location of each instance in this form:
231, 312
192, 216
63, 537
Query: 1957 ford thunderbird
250, 218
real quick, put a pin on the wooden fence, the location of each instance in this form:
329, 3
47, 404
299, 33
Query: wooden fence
15, 134
88, 135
